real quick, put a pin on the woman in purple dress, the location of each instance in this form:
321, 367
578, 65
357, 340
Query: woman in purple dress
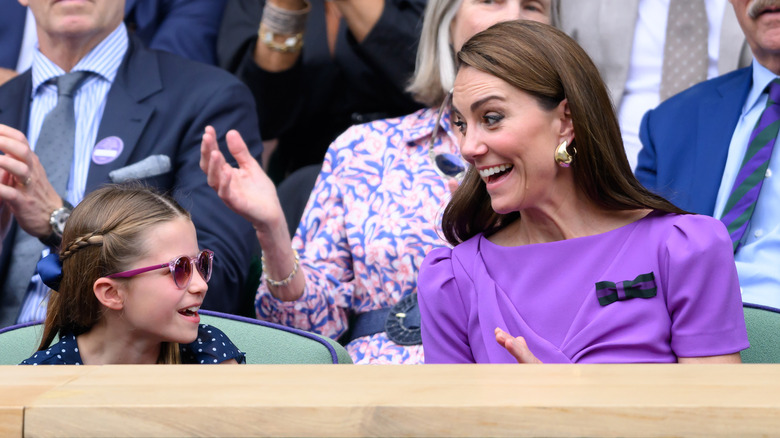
373, 214
560, 254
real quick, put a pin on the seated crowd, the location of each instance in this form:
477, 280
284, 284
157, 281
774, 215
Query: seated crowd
552, 191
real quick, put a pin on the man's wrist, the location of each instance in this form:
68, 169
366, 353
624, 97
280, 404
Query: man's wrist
57, 221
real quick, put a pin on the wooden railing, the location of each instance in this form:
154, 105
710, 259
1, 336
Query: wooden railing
426, 400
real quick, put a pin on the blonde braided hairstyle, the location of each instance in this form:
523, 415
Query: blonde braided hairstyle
81, 242
103, 235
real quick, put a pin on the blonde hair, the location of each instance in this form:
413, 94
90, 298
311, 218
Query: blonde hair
102, 236
436, 67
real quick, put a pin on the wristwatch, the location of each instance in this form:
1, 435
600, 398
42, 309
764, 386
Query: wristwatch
57, 221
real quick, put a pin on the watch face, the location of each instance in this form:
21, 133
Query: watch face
58, 219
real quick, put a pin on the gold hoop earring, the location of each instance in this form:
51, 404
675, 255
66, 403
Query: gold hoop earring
562, 155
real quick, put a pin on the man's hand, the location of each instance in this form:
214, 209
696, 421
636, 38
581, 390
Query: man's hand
24, 188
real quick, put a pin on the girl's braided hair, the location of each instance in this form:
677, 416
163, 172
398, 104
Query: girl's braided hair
94, 238
104, 234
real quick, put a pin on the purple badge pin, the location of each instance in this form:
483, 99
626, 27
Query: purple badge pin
107, 150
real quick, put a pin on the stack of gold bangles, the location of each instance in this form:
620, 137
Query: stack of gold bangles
284, 23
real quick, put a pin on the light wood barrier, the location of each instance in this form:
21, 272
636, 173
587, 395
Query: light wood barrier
430, 400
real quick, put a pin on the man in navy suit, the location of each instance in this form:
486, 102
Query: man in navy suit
694, 144
135, 103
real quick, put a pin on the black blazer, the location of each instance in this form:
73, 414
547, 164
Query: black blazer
309, 105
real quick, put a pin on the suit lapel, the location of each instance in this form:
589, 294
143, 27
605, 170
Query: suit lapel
127, 114
15, 103
718, 116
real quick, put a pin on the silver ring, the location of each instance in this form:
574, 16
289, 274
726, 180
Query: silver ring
27, 181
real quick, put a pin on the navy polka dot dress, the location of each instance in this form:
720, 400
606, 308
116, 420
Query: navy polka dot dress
211, 347
64, 352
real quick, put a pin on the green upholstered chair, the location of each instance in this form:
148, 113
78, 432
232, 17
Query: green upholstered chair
268, 343
18, 342
263, 342
763, 327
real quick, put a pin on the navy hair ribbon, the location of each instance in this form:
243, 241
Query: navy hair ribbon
50, 270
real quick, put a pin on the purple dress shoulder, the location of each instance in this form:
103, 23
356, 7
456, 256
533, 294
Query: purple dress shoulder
657, 289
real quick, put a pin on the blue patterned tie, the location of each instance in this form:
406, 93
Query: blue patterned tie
57, 139
744, 193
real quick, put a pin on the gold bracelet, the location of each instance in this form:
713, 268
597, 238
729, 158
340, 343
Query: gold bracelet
286, 281
291, 44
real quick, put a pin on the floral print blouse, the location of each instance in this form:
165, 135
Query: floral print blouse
371, 219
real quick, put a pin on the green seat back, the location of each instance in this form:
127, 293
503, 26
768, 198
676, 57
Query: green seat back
267, 343
19, 342
763, 327
263, 342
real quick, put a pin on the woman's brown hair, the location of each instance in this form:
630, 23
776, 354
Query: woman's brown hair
103, 235
550, 66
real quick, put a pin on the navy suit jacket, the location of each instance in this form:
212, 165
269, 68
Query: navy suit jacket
160, 104
187, 28
12, 16
685, 141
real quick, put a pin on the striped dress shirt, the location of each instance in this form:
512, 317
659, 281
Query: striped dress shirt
89, 102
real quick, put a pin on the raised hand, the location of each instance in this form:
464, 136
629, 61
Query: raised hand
246, 189
516, 346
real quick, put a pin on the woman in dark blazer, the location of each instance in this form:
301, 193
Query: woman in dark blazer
350, 64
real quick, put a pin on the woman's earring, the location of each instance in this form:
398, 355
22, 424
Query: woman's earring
562, 155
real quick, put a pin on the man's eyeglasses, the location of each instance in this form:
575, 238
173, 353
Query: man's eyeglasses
446, 164
181, 268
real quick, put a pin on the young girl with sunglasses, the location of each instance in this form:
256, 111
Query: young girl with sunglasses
125, 288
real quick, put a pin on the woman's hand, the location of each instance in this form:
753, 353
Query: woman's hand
516, 346
247, 190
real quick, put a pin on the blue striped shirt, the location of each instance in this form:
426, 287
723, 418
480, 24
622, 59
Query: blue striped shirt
89, 102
